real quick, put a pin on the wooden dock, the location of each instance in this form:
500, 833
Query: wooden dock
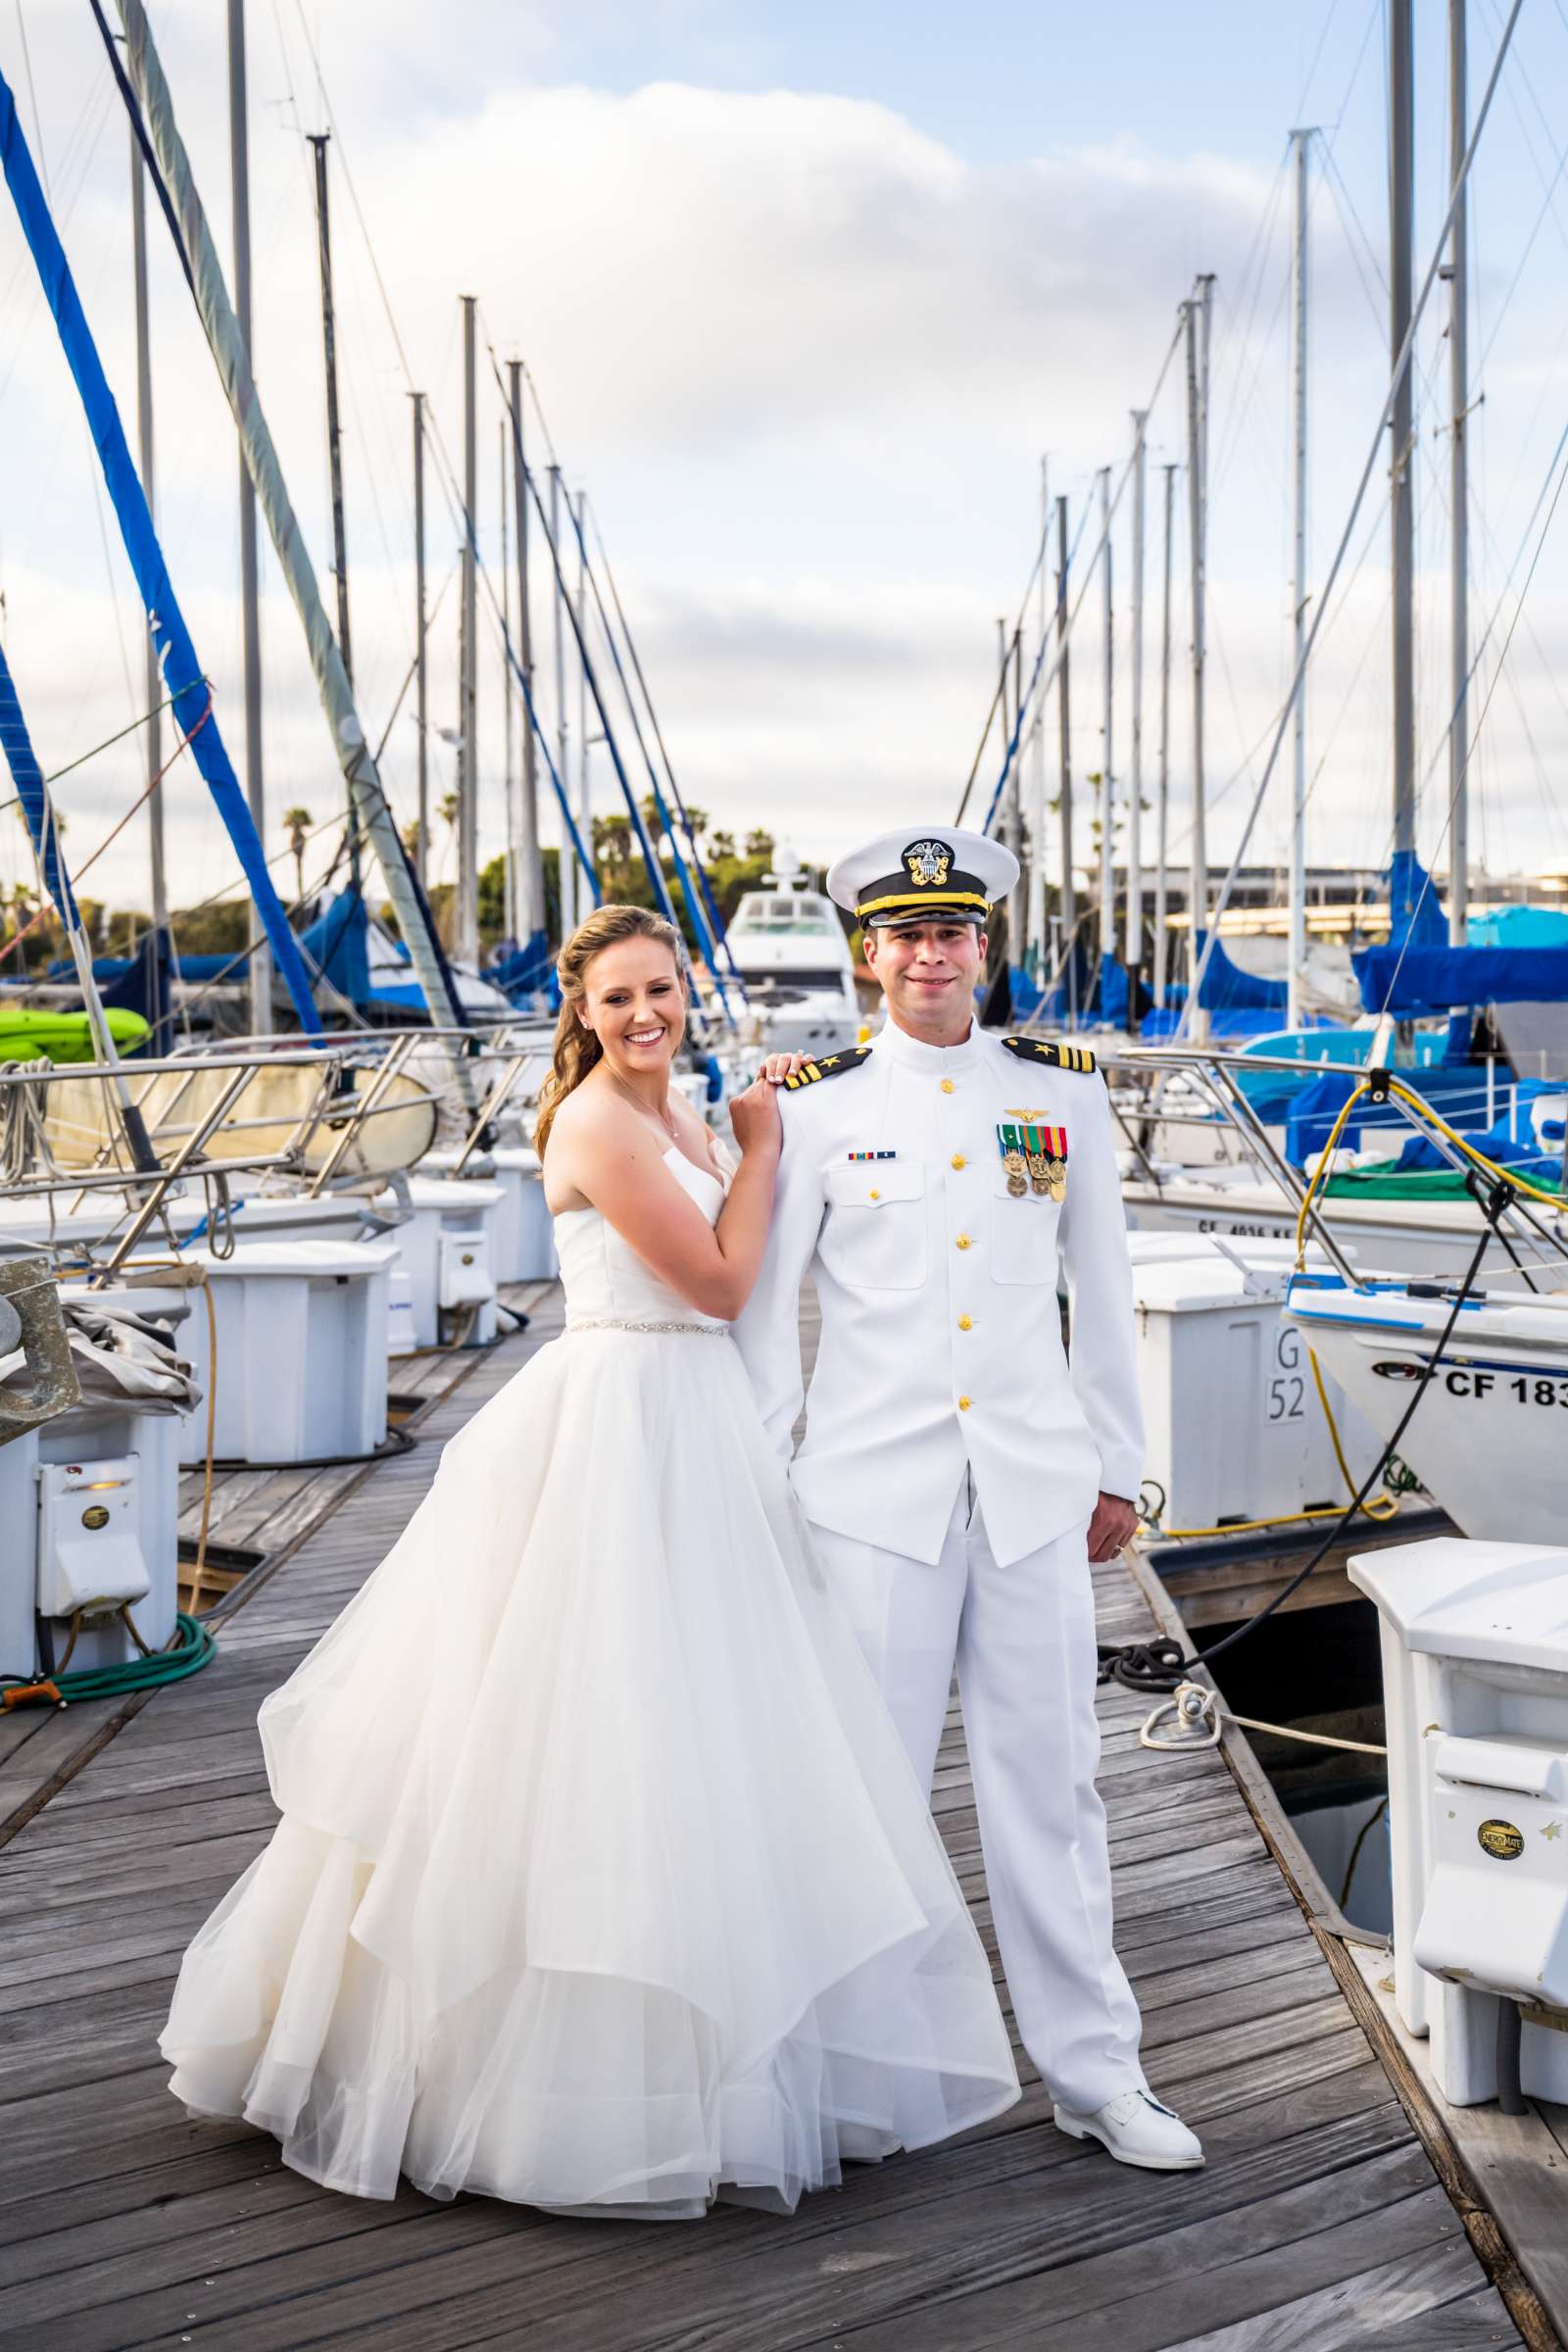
1332, 2214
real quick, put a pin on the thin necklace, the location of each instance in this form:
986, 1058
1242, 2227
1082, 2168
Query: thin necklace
663, 1116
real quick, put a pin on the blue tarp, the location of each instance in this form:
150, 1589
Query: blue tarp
1226, 987
1458, 1093
1239, 1024
108, 970
1518, 927
176, 656
143, 986
1415, 912
336, 944
526, 971
1416, 980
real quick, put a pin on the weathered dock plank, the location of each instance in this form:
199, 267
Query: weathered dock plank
1319, 2222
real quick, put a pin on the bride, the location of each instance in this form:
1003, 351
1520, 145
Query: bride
603, 1882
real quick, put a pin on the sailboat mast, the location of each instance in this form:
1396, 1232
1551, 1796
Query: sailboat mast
1162, 789
509, 863
568, 869
1069, 894
1037, 803
1108, 870
421, 706
1016, 919
1197, 882
1402, 203
1459, 492
1135, 779
335, 445
585, 805
467, 933
153, 680
531, 886
261, 962
1301, 144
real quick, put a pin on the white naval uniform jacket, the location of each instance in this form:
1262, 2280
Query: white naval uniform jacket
941, 1344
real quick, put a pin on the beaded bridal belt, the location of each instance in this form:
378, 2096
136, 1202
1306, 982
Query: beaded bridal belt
703, 1331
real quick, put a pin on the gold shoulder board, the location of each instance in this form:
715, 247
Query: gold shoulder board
1056, 1057
831, 1066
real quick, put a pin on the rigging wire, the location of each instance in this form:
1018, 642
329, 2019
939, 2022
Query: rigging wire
1026, 700
1314, 632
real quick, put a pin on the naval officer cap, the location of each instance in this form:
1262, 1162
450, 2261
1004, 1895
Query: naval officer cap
914, 877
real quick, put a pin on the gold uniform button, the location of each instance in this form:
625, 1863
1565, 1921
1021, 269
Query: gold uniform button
965, 1323
947, 1086
962, 1241
959, 1160
963, 1405
875, 1195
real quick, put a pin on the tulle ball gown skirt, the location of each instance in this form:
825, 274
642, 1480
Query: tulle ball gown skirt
603, 1882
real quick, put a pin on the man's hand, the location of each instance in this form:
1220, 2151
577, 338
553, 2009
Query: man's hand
1111, 1528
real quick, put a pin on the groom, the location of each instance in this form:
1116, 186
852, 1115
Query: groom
958, 1471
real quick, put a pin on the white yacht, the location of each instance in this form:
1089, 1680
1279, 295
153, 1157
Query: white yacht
790, 949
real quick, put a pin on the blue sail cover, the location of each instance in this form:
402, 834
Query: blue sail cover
336, 944
1414, 981
526, 973
1226, 987
28, 777
1415, 912
176, 656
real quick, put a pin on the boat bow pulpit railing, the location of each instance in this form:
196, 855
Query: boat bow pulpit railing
1141, 1073
326, 1120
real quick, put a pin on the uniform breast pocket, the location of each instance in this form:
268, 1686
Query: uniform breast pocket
1023, 1234
873, 1237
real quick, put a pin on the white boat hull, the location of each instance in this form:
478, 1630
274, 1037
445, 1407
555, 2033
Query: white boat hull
1433, 1240
1488, 1440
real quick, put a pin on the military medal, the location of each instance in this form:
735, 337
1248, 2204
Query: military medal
1046, 1155
1009, 1143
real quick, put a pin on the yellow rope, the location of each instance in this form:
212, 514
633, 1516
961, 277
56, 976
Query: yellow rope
1377, 1506
1423, 1110
1507, 1176
1325, 1158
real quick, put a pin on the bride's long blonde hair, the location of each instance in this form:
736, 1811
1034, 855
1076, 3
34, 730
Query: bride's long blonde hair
577, 1047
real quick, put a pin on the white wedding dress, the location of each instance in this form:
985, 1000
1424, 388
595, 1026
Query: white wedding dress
603, 1881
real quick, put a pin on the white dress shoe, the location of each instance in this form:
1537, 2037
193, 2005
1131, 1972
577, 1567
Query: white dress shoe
1137, 2130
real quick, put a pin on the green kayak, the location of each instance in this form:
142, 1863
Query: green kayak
30, 1032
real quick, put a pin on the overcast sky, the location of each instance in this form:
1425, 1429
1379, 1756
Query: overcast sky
807, 293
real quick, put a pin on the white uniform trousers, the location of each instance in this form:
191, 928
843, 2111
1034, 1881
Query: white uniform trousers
1024, 1640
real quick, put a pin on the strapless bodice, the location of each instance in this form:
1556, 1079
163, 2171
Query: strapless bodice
606, 1282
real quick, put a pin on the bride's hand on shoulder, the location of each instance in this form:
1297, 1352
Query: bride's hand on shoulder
779, 1066
755, 1119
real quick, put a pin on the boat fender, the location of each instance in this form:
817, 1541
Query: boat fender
1056, 1057
831, 1066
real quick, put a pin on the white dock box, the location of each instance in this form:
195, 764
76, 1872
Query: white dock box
440, 1205
1234, 1427
1475, 1682
523, 1237
100, 1472
302, 1351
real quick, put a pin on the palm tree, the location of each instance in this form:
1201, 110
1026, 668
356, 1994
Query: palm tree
297, 823
613, 839
758, 843
720, 844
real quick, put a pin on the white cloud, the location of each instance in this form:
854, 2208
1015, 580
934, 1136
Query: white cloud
806, 355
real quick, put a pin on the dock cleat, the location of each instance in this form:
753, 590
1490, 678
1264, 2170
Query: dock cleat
1136, 2129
